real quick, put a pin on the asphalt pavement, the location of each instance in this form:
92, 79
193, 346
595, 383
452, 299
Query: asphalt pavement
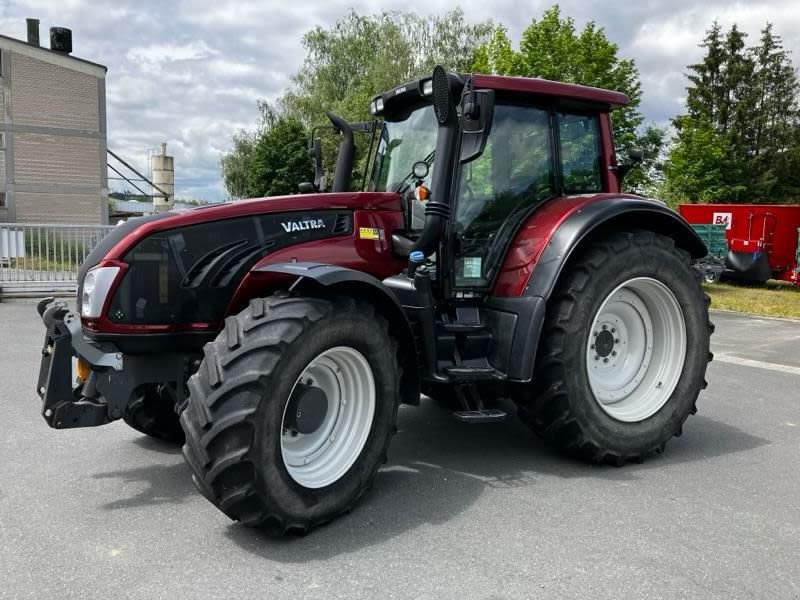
460, 511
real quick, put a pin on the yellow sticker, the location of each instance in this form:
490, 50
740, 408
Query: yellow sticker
369, 233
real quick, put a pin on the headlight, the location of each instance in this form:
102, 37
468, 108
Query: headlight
427, 87
95, 289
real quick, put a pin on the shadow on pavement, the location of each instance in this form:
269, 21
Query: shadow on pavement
438, 468
146, 442
166, 484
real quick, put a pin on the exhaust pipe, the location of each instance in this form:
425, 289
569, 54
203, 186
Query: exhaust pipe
346, 155
446, 87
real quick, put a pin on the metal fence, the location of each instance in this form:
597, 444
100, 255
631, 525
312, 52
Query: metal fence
44, 258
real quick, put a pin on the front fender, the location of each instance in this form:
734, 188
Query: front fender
315, 278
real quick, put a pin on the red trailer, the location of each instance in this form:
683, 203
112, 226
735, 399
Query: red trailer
763, 239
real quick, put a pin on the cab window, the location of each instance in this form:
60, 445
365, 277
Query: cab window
579, 136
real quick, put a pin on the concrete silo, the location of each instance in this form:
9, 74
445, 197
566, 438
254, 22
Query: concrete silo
162, 170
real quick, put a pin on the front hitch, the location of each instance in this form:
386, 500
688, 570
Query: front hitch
112, 378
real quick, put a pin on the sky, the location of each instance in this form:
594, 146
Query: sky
189, 73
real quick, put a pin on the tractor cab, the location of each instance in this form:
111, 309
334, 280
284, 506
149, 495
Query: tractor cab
473, 155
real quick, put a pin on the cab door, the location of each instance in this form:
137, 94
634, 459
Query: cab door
514, 174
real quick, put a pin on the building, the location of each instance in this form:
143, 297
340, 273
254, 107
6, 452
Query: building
52, 132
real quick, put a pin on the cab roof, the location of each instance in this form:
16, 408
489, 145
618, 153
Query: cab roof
396, 104
545, 87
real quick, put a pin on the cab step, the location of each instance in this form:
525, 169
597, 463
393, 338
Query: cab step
467, 374
485, 415
463, 327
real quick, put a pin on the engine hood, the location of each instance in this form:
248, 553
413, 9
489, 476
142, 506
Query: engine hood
257, 206
182, 267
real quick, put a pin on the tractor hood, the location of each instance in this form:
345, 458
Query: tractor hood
183, 266
119, 241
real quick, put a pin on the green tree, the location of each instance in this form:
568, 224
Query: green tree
698, 165
235, 165
280, 159
552, 48
347, 64
271, 160
748, 99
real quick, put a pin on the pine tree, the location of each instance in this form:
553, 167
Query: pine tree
744, 103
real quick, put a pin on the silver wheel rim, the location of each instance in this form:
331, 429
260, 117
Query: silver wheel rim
636, 349
322, 457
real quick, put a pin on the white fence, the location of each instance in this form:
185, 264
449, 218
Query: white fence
44, 258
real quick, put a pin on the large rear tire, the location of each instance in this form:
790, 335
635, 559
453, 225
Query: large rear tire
624, 351
291, 413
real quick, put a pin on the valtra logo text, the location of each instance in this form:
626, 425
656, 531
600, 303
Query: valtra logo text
291, 226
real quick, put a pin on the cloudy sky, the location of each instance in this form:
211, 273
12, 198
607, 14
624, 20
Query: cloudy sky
189, 72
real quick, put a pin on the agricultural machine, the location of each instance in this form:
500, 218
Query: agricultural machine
759, 241
491, 256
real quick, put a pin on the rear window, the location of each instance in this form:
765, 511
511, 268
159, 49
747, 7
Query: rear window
580, 153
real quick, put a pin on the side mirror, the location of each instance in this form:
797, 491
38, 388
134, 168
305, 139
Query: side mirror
636, 155
477, 113
635, 158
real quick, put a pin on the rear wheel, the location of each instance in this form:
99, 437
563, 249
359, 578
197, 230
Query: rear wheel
291, 413
624, 351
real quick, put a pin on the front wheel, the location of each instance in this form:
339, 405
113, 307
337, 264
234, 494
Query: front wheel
624, 350
291, 413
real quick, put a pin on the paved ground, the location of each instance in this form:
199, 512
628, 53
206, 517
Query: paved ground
460, 512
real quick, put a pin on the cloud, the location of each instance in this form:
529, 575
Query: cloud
189, 72
159, 53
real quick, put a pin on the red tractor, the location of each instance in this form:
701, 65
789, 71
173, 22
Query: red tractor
490, 256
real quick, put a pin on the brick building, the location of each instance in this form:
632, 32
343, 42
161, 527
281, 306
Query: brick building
52, 133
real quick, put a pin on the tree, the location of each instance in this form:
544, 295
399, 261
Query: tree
347, 64
552, 48
280, 159
269, 161
235, 165
698, 165
746, 100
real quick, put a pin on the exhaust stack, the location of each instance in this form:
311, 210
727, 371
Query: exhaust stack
33, 31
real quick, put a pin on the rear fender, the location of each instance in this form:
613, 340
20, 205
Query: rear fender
547, 241
315, 278
550, 237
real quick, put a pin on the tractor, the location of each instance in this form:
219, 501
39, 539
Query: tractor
490, 261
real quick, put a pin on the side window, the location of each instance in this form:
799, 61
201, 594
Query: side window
580, 153
514, 173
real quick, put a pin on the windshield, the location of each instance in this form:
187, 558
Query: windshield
402, 144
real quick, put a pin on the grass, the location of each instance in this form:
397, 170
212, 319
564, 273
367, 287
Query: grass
774, 299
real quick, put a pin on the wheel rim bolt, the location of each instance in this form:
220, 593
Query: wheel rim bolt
614, 353
605, 360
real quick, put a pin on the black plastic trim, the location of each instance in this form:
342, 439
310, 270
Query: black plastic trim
521, 343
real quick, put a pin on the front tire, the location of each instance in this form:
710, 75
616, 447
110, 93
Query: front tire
291, 413
624, 351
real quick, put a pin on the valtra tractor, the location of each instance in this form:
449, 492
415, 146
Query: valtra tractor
491, 256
